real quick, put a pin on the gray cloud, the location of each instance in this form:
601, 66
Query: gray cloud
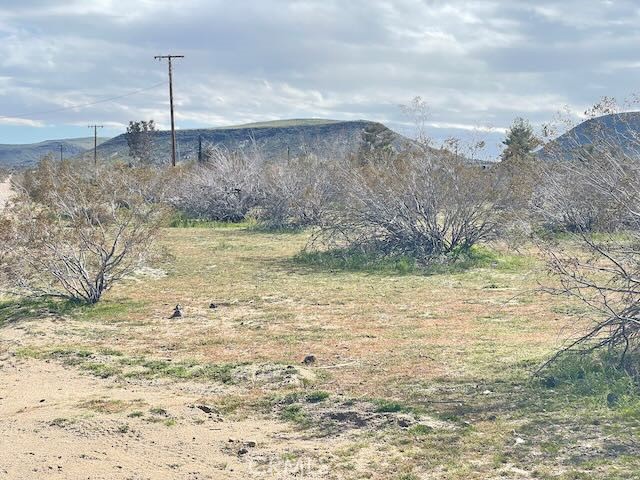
477, 63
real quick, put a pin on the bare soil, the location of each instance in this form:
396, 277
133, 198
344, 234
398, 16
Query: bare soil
5, 191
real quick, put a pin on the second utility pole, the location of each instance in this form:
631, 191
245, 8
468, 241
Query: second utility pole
173, 128
95, 143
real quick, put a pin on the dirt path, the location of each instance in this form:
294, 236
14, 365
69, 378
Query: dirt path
56, 422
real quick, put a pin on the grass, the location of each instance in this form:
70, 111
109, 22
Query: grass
107, 405
360, 261
455, 346
296, 414
317, 396
181, 221
15, 310
108, 362
387, 406
355, 261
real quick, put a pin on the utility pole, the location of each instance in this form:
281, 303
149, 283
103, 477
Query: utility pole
173, 127
95, 143
60, 153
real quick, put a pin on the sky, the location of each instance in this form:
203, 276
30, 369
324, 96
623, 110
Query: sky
476, 64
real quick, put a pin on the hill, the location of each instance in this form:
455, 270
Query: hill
619, 131
24, 155
272, 140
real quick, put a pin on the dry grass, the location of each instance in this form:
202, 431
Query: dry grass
457, 348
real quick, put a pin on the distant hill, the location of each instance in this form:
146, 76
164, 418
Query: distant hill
615, 132
20, 156
272, 140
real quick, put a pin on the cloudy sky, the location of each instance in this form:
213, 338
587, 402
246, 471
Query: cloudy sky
477, 64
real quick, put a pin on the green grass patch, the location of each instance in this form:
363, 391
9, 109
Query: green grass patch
108, 362
387, 406
182, 221
594, 380
101, 370
420, 430
355, 260
30, 308
108, 310
317, 396
180, 370
296, 414
479, 256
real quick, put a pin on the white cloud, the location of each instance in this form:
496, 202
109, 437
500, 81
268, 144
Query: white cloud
22, 122
480, 62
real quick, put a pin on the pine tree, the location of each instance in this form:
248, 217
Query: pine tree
520, 141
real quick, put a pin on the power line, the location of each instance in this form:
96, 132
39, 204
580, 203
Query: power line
82, 105
173, 128
95, 143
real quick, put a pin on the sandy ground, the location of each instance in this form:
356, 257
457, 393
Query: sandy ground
5, 191
58, 423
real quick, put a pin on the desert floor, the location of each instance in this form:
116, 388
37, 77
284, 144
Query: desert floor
416, 375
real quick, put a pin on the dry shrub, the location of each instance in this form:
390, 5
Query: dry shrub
424, 206
296, 194
224, 187
75, 235
593, 193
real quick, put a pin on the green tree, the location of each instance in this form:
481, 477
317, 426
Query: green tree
140, 140
520, 141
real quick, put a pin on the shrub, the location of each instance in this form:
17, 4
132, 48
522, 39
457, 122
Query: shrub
296, 194
224, 187
75, 235
596, 190
421, 206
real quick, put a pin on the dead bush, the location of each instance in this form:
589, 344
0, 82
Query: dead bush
297, 193
425, 206
75, 235
224, 187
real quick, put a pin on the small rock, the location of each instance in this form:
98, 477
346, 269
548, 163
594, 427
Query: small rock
309, 360
250, 444
205, 408
520, 441
177, 312
403, 423
213, 305
243, 451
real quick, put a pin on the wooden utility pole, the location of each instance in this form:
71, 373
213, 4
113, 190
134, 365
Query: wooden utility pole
95, 143
173, 127
60, 153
